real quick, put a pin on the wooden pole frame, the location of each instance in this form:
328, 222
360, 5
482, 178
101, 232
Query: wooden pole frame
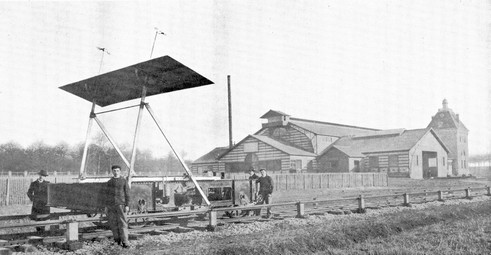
87, 142
131, 164
189, 173
135, 137
111, 140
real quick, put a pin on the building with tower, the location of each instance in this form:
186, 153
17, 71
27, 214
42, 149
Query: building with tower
285, 144
454, 134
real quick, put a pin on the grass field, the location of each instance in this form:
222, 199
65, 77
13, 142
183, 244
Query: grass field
434, 229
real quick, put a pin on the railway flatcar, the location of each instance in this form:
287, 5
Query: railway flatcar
159, 194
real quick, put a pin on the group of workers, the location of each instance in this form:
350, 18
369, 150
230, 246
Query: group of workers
262, 196
119, 199
117, 204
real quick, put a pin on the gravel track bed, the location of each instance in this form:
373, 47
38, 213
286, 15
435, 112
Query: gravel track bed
146, 245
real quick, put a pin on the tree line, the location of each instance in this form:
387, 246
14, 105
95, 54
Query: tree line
64, 158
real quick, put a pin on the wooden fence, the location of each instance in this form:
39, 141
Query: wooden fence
305, 181
13, 189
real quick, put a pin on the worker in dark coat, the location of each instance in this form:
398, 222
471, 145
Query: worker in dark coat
252, 181
265, 190
118, 203
38, 194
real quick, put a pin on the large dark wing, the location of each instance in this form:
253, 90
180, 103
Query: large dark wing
160, 75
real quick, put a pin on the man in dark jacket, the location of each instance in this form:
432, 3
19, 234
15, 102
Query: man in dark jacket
38, 194
265, 189
118, 203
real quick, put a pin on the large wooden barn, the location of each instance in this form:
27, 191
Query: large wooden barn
291, 145
283, 145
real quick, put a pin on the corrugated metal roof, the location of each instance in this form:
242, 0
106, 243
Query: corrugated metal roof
331, 129
212, 156
159, 75
283, 147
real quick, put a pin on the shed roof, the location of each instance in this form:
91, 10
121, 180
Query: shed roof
159, 75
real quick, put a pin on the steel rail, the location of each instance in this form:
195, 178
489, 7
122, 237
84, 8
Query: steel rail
223, 209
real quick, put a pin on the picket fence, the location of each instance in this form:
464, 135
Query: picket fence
304, 181
13, 189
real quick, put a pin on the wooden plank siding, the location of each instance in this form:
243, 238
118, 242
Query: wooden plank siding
265, 152
301, 138
296, 136
402, 169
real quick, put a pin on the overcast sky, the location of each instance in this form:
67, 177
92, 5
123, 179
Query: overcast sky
377, 64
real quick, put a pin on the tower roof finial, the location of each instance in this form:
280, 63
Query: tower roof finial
445, 104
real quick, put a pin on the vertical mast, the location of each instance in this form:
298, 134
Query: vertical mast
230, 139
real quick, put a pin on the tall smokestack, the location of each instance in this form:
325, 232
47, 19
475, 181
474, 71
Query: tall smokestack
230, 141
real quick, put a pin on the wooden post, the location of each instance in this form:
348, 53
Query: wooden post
440, 195
361, 204
154, 195
406, 199
286, 182
71, 231
488, 188
213, 220
300, 210
468, 193
7, 193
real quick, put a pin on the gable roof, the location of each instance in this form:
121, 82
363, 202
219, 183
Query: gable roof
349, 150
211, 156
356, 146
331, 129
273, 113
275, 144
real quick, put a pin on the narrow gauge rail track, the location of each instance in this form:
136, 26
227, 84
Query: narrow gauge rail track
75, 227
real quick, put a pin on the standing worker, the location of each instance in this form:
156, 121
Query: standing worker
118, 203
265, 189
252, 179
38, 194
